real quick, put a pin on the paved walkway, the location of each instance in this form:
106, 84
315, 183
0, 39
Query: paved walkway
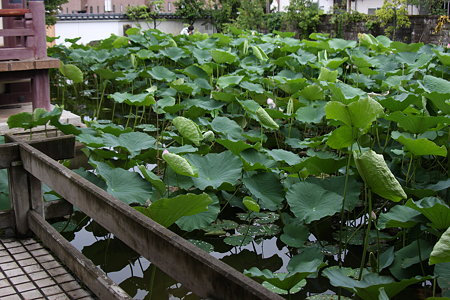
29, 271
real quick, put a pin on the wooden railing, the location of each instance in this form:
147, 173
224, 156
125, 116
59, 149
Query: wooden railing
195, 269
24, 32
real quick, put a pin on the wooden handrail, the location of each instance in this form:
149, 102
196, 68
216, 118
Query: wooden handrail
8, 12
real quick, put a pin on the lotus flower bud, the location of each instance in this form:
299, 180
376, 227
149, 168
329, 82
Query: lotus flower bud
165, 151
271, 103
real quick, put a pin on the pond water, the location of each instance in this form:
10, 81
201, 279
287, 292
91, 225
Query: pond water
138, 277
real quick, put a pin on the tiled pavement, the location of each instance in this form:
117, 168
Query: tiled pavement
28, 271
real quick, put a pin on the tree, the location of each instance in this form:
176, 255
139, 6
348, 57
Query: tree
224, 12
51, 10
393, 15
432, 7
251, 15
191, 10
302, 16
148, 13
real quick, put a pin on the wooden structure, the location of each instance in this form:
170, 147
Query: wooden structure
24, 63
195, 269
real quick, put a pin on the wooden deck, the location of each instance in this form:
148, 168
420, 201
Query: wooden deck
29, 271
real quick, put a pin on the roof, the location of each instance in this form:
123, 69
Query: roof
107, 16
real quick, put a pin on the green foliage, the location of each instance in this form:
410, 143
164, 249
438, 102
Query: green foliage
288, 138
191, 10
393, 15
148, 13
251, 16
51, 10
302, 16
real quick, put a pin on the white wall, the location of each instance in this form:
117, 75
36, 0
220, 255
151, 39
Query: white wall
363, 6
91, 30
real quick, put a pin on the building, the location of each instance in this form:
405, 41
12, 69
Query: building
109, 6
363, 6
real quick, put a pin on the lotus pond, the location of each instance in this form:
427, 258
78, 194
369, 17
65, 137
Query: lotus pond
317, 167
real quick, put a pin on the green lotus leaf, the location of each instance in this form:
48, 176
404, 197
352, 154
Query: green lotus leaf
144, 99
215, 169
179, 164
151, 177
310, 202
417, 124
340, 44
267, 188
442, 271
167, 211
444, 58
407, 258
420, 147
441, 251
251, 204
295, 234
312, 92
188, 129
327, 75
135, 142
72, 72
342, 137
252, 87
201, 220
311, 114
259, 53
434, 209
438, 85
228, 80
284, 156
162, 73
238, 240
399, 216
174, 53
265, 120
377, 175
368, 287
127, 186
229, 128
284, 281
358, 114
221, 56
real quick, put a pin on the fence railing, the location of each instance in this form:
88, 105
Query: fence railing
195, 269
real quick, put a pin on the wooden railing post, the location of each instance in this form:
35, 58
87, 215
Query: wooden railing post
20, 196
40, 42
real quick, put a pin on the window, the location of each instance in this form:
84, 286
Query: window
108, 5
371, 11
98, 9
114, 8
121, 7
169, 6
91, 9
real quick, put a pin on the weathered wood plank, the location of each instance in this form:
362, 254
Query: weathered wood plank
15, 53
37, 8
194, 268
96, 280
8, 154
20, 197
13, 12
60, 147
16, 32
6, 219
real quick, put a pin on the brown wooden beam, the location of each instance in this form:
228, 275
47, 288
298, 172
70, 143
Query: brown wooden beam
60, 147
95, 279
8, 154
13, 12
6, 219
203, 274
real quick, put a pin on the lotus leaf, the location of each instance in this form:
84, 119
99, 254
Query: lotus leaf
377, 175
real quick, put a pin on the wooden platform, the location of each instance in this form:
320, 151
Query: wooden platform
67, 117
29, 271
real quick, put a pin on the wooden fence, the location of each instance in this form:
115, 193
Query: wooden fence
195, 269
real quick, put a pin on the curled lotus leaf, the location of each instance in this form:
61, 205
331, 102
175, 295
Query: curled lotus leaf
188, 129
265, 120
179, 164
377, 175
